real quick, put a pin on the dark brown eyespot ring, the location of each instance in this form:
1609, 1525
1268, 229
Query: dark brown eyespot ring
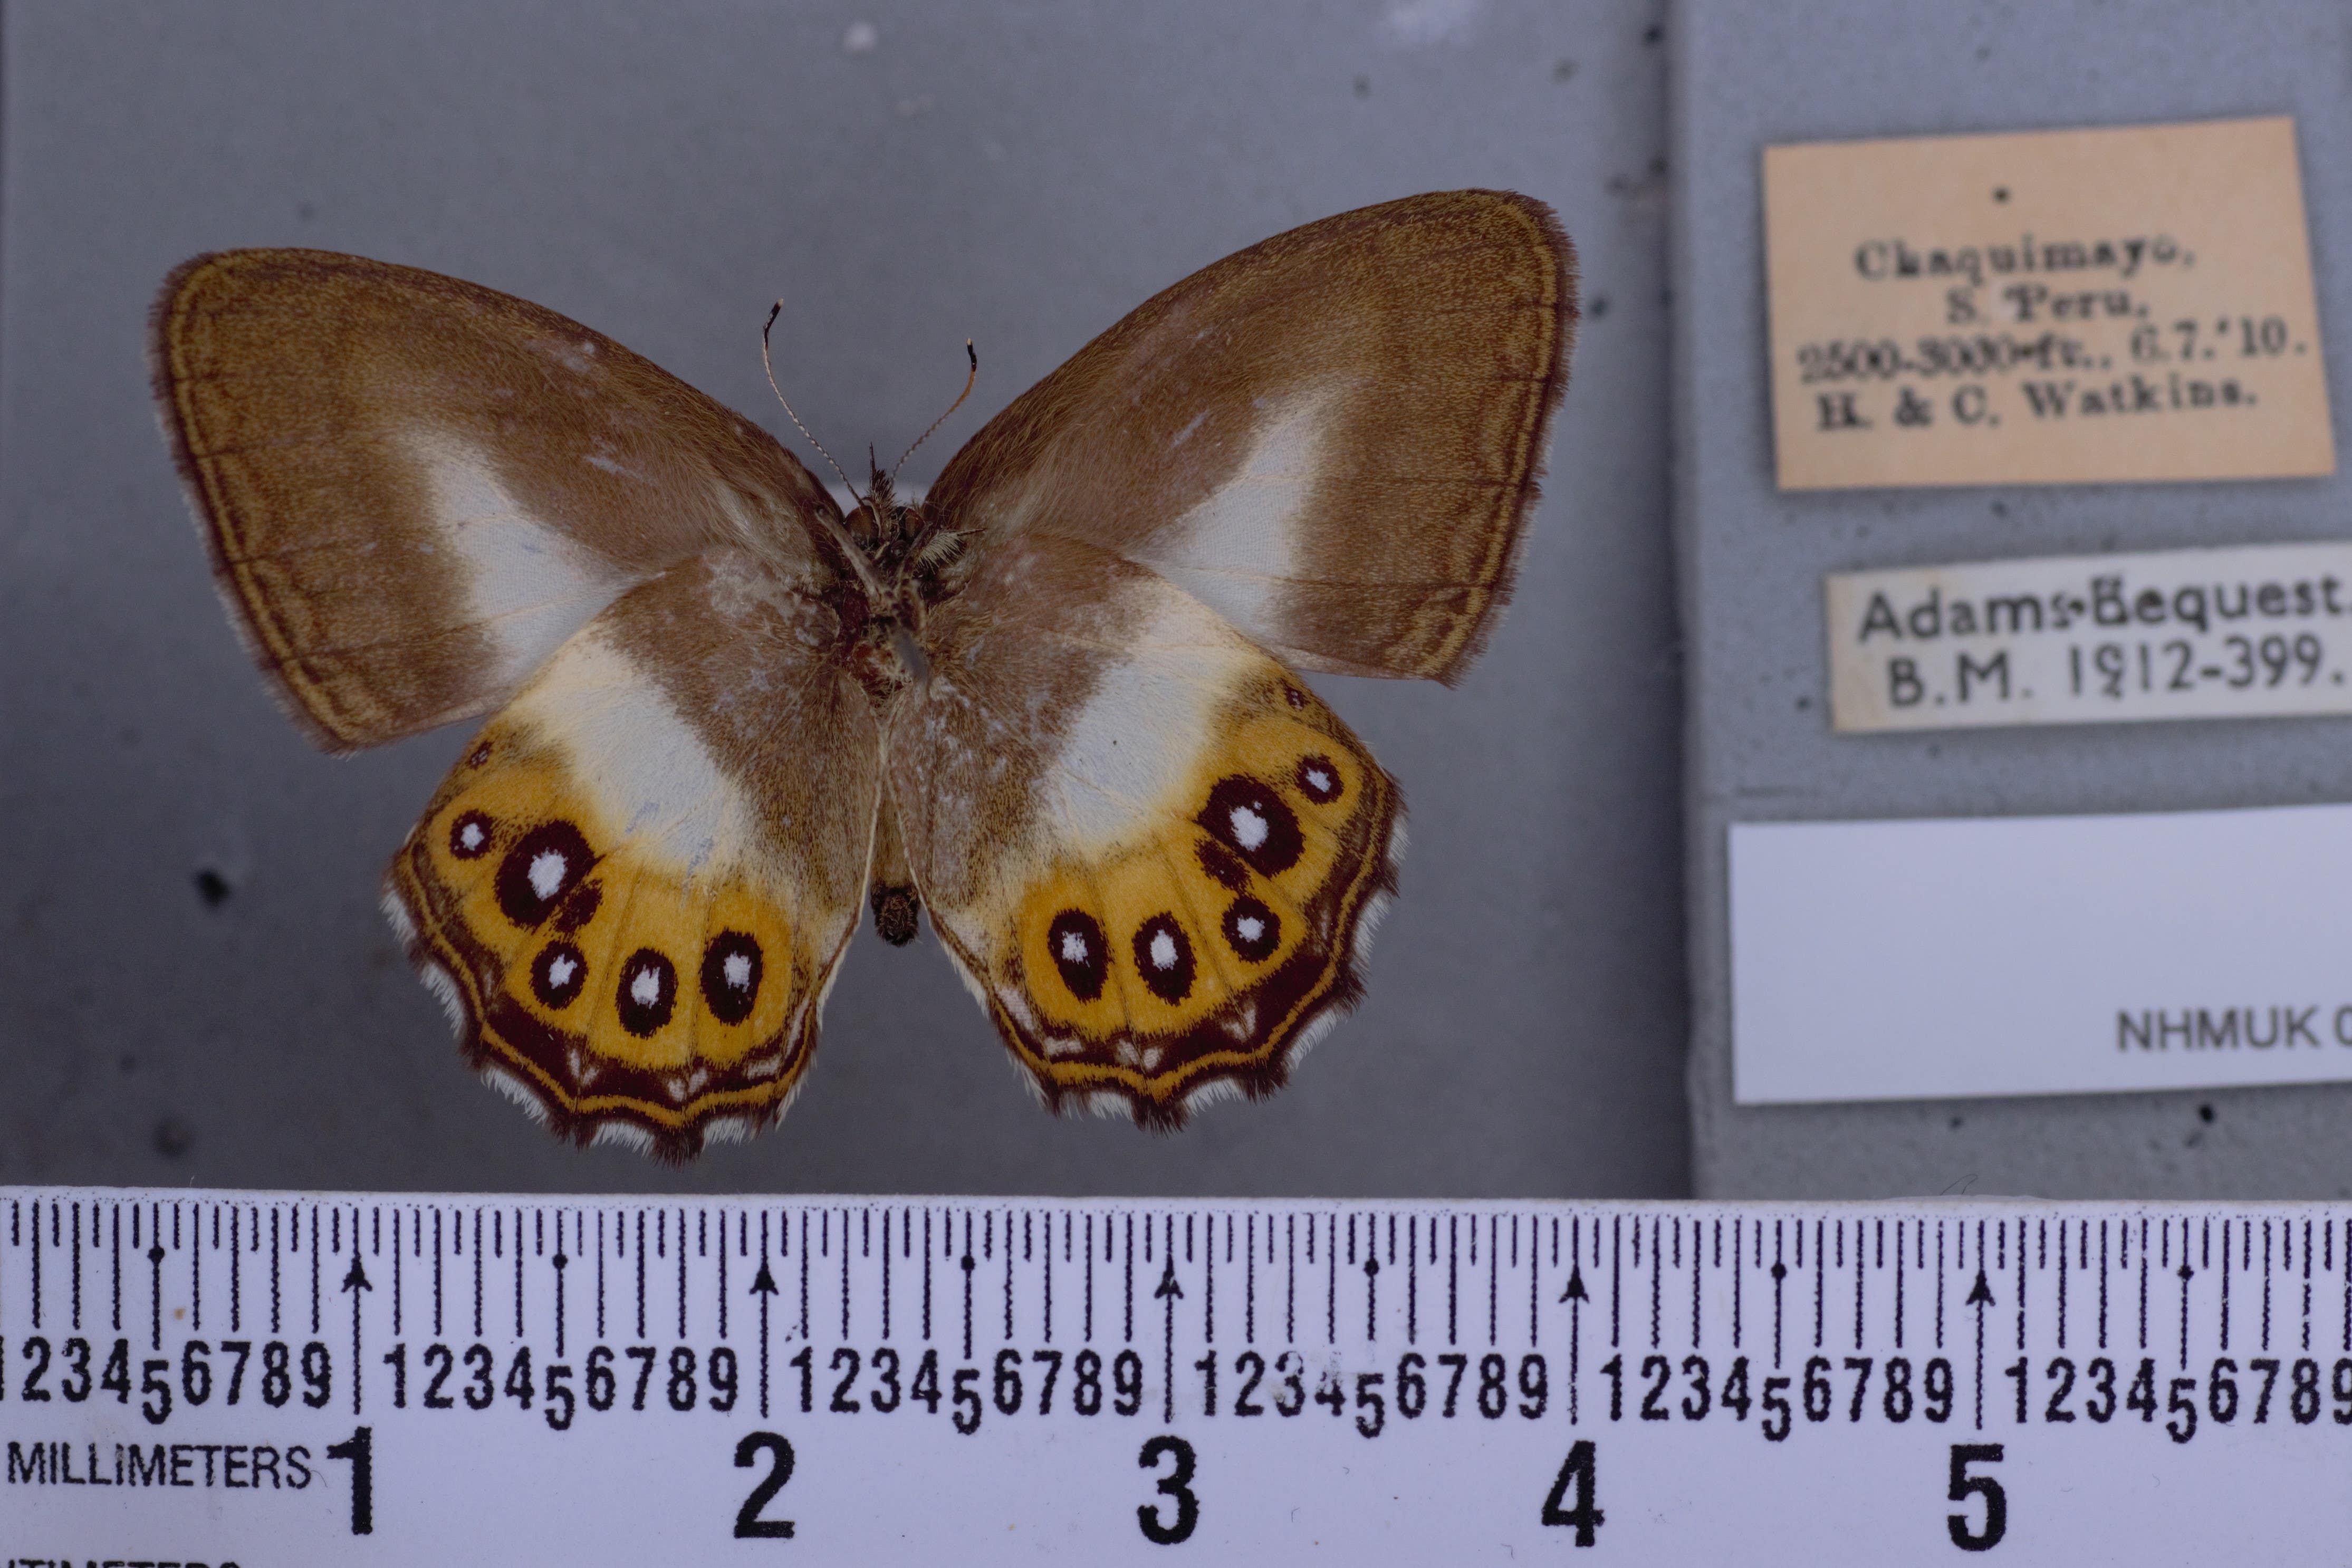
1163, 957
1318, 777
1074, 939
1252, 820
558, 975
647, 993
544, 864
470, 835
1252, 929
730, 976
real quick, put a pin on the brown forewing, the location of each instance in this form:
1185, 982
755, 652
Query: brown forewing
414, 487
1417, 350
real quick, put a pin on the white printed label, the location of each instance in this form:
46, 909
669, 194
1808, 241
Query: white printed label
2040, 954
2248, 633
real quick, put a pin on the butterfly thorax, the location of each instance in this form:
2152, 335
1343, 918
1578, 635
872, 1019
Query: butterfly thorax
905, 562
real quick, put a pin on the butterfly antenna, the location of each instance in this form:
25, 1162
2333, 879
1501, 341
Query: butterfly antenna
851, 553
768, 364
971, 354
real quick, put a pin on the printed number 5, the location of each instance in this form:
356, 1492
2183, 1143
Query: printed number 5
1177, 1484
1965, 1486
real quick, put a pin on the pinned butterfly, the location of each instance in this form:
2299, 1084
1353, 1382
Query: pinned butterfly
1054, 703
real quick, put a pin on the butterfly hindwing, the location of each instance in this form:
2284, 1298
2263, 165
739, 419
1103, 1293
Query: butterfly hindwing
413, 488
1332, 438
1149, 846
638, 882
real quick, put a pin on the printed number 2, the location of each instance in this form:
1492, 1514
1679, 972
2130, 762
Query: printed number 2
1177, 1483
1965, 1486
749, 1525
1577, 1470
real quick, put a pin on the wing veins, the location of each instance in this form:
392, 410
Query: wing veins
437, 634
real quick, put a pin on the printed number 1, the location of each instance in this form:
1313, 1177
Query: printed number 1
360, 1448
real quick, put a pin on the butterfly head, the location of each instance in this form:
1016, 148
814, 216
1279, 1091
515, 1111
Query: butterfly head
912, 553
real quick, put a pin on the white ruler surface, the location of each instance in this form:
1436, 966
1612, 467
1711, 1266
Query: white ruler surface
208, 1378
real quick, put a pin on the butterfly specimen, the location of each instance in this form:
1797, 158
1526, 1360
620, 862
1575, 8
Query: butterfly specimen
1053, 703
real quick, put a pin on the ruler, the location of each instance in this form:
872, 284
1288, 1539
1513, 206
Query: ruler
267, 1379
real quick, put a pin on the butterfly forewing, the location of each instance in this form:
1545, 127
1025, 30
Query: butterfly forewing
414, 488
1331, 438
639, 880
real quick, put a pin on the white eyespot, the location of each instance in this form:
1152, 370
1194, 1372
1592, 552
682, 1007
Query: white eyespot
1074, 948
1249, 828
547, 869
1250, 927
1318, 781
645, 988
560, 970
471, 835
738, 970
1163, 950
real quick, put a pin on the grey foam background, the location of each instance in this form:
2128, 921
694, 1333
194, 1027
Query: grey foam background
1758, 747
1019, 174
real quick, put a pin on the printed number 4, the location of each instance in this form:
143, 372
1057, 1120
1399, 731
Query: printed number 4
1575, 1470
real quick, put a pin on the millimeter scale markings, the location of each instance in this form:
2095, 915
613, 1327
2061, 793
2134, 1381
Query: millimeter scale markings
258, 1378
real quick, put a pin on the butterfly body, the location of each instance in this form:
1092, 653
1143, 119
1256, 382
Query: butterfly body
1054, 703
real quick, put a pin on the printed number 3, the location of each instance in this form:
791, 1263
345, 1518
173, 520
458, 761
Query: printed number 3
1177, 1484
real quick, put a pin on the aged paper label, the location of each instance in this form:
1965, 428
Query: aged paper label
2040, 955
2058, 307
2247, 632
